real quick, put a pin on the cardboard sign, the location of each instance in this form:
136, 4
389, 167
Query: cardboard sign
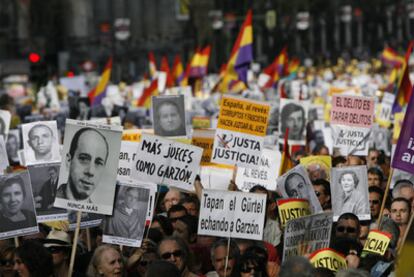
240, 132
265, 175
377, 242
328, 258
216, 177
163, 161
205, 140
232, 214
314, 231
350, 140
292, 208
127, 158
352, 111
404, 152
201, 122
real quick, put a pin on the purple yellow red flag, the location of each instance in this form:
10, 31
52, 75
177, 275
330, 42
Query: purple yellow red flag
405, 86
199, 62
166, 68
145, 99
277, 68
390, 57
152, 65
99, 92
178, 70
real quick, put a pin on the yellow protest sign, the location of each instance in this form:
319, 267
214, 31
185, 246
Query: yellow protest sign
201, 122
244, 116
377, 242
292, 208
319, 167
328, 258
131, 135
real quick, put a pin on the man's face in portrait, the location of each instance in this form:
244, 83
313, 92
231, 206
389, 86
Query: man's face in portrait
296, 187
295, 124
87, 165
131, 199
52, 173
40, 139
11, 145
169, 116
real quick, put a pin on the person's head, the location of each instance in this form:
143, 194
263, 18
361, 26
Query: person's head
31, 259
191, 204
162, 268
41, 139
295, 186
186, 228
163, 224
86, 161
53, 172
7, 261
355, 160
348, 180
169, 116
140, 262
172, 197
59, 244
251, 264
12, 195
348, 226
322, 190
218, 257
175, 251
404, 188
375, 177
372, 158
296, 266
131, 198
316, 171
400, 211
12, 145
375, 200
176, 212
106, 261
293, 117
320, 149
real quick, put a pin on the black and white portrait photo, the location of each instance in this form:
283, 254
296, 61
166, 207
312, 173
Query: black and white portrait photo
128, 219
40, 142
293, 116
169, 115
89, 167
13, 146
296, 184
44, 180
349, 190
4, 161
18, 215
5, 118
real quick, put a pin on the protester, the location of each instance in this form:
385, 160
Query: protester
162, 268
347, 226
31, 259
7, 261
173, 197
106, 261
400, 212
375, 200
405, 189
296, 266
375, 177
59, 244
218, 259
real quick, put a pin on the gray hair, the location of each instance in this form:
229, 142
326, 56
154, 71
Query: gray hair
181, 244
396, 192
96, 260
234, 250
296, 266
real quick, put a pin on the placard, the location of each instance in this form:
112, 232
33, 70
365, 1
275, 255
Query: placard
377, 242
127, 160
232, 214
328, 258
292, 208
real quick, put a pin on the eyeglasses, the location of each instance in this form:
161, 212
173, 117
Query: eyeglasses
168, 255
144, 263
6, 262
374, 202
342, 229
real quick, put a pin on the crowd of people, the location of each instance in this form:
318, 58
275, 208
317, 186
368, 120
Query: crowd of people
171, 245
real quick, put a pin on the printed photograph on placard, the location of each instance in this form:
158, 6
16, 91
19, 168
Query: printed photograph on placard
169, 115
5, 118
293, 115
13, 145
18, 216
44, 180
127, 224
4, 161
349, 191
40, 142
88, 172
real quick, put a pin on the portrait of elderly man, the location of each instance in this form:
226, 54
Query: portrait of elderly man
42, 144
128, 219
86, 163
169, 116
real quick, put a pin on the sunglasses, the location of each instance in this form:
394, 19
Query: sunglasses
144, 263
6, 262
54, 250
342, 229
168, 255
375, 202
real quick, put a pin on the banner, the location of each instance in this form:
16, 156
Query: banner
377, 242
163, 161
312, 231
351, 120
328, 258
127, 158
232, 214
264, 175
404, 152
292, 208
240, 132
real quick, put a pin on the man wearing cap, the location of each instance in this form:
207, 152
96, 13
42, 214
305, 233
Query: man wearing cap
59, 245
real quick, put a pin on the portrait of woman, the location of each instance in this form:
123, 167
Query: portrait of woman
12, 198
169, 116
353, 201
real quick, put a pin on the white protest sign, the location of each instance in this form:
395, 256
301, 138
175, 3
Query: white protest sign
75, 83
240, 132
351, 119
232, 214
127, 156
216, 177
384, 110
265, 175
164, 161
313, 231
